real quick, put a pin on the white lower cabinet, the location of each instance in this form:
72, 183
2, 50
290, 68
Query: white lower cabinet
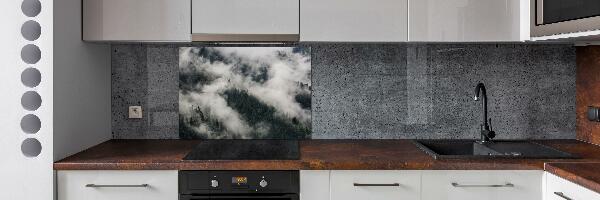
375, 185
314, 184
341, 185
560, 189
482, 185
117, 185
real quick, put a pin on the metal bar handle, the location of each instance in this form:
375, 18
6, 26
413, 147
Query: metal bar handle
562, 195
492, 185
376, 184
116, 186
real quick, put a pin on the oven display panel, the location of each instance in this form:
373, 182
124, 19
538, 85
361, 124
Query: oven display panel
239, 180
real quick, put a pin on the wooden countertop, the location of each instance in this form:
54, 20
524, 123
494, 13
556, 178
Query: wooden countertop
584, 174
331, 155
314, 155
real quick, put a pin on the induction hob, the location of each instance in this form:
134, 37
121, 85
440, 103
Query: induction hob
245, 150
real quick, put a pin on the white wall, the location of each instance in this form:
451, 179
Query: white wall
22, 177
82, 86
75, 82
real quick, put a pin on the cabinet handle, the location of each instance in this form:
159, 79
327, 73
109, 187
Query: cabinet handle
562, 195
469, 186
115, 186
376, 184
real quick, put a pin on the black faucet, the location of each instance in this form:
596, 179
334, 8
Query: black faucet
487, 134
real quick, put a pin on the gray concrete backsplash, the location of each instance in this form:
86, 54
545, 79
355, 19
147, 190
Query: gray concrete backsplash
382, 91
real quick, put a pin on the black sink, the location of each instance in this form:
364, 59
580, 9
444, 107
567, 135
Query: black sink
469, 149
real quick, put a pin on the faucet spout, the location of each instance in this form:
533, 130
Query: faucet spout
480, 94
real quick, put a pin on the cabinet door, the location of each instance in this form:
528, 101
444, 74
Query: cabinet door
220, 18
482, 185
375, 185
468, 21
314, 185
354, 20
136, 20
560, 189
117, 185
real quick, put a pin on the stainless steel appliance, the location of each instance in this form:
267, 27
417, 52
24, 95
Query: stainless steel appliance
238, 185
552, 17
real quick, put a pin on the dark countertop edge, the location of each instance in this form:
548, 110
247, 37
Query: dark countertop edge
572, 176
239, 165
111, 167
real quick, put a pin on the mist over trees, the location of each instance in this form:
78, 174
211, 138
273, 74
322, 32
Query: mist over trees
244, 93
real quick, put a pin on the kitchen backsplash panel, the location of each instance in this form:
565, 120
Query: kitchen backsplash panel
382, 91
244, 93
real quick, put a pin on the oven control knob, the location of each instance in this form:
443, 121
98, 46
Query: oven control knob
214, 183
263, 183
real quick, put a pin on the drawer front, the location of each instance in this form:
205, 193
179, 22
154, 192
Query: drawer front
375, 185
482, 185
560, 189
117, 185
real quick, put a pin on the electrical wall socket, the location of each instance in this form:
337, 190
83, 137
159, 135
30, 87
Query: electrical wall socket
135, 112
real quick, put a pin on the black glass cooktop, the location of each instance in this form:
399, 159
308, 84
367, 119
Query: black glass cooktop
245, 150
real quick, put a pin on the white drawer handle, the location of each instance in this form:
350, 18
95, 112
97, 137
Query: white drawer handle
468, 186
376, 184
115, 186
562, 195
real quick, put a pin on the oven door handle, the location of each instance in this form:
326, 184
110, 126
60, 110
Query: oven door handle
188, 197
254, 197
286, 196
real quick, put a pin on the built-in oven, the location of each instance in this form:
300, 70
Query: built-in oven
238, 185
552, 17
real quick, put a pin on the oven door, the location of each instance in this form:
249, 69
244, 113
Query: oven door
551, 17
240, 197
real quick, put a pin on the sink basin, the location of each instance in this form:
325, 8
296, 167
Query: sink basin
469, 149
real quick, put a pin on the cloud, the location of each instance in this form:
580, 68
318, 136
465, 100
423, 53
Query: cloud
214, 105
273, 75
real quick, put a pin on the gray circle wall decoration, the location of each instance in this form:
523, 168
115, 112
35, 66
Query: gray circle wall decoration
31, 30
31, 8
31, 54
31, 147
31, 124
31, 77
31, 100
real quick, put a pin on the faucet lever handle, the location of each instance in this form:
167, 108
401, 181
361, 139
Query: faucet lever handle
492, 133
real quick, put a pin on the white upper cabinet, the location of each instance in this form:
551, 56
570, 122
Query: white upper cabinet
468, 20
136, 20
307, 20
354, 20
245, 20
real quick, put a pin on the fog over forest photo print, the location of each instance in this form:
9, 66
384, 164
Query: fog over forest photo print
244, 93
